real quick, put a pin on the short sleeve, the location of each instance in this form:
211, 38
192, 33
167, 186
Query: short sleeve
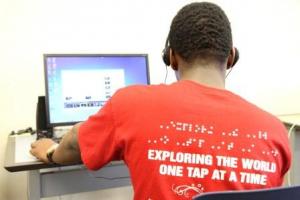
97, 140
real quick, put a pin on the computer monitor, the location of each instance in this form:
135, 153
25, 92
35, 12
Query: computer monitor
77, 86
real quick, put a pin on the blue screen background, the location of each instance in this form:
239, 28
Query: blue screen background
135, 69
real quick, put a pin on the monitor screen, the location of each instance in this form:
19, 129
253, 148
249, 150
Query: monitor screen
77, 86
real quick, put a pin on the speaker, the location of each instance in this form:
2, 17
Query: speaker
41, 119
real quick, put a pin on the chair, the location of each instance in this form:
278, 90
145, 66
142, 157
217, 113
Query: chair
279, 193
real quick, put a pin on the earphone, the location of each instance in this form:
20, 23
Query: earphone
236, 57
166, 55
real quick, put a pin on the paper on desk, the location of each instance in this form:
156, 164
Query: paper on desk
23, 143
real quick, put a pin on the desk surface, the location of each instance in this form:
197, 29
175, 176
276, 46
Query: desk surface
11, 164
14, 164
46, 180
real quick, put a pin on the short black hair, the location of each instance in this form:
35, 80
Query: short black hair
201, 30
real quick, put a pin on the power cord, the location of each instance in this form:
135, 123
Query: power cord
291, 129
23, 131
289, 136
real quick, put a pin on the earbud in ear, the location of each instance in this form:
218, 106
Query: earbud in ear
236, 56
231, 62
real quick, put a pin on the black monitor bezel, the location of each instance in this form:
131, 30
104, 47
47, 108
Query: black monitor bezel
45, 56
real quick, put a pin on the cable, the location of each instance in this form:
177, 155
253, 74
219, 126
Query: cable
289, 172
166, 74
23, 131
228, 72
291, 129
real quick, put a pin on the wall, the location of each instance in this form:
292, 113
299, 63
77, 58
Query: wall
265, 31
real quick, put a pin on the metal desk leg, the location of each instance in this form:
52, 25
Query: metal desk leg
34, 187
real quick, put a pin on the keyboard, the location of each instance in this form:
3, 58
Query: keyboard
23, 146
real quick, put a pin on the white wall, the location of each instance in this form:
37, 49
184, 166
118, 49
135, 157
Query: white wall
265, 31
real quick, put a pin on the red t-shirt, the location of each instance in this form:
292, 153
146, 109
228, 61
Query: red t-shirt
184, 139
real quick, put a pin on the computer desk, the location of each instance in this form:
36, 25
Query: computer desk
46, 180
